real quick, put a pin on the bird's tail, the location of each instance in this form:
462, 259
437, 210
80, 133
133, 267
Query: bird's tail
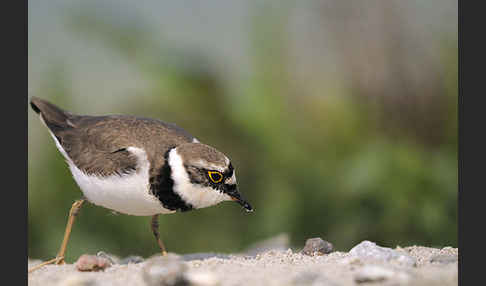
53, 116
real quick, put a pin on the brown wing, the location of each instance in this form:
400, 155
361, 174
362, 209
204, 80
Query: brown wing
97, 144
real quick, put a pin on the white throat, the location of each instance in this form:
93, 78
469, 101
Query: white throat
196, 195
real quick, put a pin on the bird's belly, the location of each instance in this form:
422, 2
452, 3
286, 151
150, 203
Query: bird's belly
129, 194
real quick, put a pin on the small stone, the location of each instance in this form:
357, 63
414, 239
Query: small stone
368, 249
167, 270
444, 258
112, 258
88, 262
132, 259
317, 246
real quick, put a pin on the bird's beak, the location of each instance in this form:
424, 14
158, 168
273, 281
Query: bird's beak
232, 191
243, 203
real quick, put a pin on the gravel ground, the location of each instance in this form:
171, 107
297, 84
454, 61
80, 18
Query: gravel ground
365, 264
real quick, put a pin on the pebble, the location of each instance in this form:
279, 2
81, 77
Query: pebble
317, 246
368, 249
88, 262
168, 270
112, 258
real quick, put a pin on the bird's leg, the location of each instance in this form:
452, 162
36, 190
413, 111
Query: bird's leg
73, 213
60, 255
155, 229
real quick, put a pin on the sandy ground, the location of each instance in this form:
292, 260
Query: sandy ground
374, 265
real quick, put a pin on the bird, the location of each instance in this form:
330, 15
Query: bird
136, 166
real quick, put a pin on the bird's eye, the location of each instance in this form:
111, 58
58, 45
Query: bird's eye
215, 176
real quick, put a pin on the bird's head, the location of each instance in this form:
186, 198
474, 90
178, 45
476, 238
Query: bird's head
203, 176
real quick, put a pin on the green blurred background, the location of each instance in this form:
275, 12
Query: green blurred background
339, 116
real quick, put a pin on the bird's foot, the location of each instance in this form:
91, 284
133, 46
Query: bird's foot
58, 260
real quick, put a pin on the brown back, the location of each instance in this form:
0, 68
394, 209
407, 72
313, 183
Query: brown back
96, 144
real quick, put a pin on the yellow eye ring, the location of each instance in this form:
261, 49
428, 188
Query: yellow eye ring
215, 176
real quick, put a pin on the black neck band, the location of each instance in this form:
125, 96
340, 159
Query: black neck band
162, 186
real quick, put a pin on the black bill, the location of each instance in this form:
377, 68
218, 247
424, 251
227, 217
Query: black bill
232, 191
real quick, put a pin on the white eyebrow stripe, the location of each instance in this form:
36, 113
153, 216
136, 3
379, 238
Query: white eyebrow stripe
201, 164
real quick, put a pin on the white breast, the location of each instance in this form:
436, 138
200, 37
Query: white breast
129, 194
